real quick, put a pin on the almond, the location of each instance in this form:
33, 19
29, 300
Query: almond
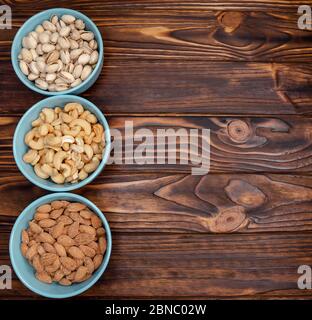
48, 248
44, 208
64, 270
86, 214
88, 262
25, 237
24, 249
73, 229
94, 246
75, 216
71, 276
58, 276
57, 230
41, 250
96, 221
31, 252
102, 245
56, 213
65, 241
47, 223
87, 229
54, 267
32, 243
80, 274
100, 232
41, 215
88, 251
76, 206
34, 227
97, 260
48, 258
44, 277
66, 220
84, 238
65, 282
76, 253
60, 250
37, 263
57, 204
45, 237
68, 263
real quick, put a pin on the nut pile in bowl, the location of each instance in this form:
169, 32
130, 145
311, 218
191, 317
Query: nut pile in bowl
65, 144
65, 242
59, 54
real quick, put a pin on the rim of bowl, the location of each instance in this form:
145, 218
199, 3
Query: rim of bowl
77, 185
83, 83
106, 258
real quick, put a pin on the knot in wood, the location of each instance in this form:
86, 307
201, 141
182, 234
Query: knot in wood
230, 20
229, 220
238, 131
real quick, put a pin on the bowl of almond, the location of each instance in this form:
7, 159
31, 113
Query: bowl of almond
60, 245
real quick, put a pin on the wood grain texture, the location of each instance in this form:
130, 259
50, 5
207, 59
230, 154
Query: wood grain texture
131, 31
153, 87
192, 266
214, 203
245, 144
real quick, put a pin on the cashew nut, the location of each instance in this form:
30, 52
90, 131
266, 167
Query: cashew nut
91, 118
74, 114
30, 156
99, 131
30, 136
82, 174
37, 122
36, 145
53, 141
44, 129
49, 115
76, 148
68, 139
91, 166
95, 147
84, 114
59, 157
70, 132
85, 125
65, 170
47, 169
72, 106
39, 172
49, 156
58, 178
88, 139
66, 117
88, 151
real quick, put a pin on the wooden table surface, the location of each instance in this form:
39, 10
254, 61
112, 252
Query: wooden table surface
191, 64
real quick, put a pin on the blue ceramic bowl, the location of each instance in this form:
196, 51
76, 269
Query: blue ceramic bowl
24, 125
25, 271
31, 24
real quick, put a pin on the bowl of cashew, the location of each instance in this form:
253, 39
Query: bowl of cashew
62, 143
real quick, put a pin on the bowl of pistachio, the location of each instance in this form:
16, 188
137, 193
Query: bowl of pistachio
58, 51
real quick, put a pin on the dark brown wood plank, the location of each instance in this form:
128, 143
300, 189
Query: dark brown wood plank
132, 32
246, 144
99, 5
191, 266
150, 87
183, 203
